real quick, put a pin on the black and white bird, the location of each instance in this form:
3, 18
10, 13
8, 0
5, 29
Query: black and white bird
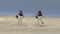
20, 16
39, 16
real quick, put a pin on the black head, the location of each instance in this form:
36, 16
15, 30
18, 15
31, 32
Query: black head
39, 13
21, 13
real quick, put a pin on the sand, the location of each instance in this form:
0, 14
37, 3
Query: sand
9, 25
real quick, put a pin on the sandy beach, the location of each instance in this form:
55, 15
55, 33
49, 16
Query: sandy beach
9, 25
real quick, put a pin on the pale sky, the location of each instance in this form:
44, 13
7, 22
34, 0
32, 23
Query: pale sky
29, 7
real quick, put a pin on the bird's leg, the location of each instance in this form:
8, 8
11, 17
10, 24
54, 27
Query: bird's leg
38, 21
18, 21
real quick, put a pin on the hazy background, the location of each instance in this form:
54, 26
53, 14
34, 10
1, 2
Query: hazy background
29, 7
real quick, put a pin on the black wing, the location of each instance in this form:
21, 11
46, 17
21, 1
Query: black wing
16, 16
